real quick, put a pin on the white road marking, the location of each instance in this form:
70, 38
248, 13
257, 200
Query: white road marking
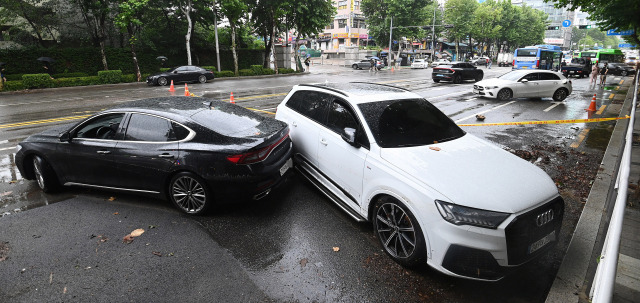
7, 148
482, 112
552, 106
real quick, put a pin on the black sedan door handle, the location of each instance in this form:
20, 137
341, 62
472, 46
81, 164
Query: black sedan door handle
104, 152
165, 156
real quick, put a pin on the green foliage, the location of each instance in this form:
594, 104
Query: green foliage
110, 76
404, 13
223, 74
79, 81
13, 86
69, 75
257, 69
14, 77
209, 67
36, 80
286, 70
247, 72
268, 71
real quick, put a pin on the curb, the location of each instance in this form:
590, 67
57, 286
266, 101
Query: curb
578, 265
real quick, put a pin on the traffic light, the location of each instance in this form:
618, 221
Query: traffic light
552, 28
584, 26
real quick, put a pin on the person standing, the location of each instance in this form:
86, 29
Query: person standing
3, 78
489, 61
603, 73
593, 78
307, 61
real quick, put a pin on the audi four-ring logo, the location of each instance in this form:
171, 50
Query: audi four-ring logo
544, 217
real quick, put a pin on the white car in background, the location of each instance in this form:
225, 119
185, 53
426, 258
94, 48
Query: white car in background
525, 84
434, 193
440, 62
419, 63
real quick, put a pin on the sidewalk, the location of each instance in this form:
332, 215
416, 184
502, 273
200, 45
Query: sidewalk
574, 278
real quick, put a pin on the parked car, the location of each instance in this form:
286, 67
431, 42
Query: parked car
187, 73
366, 64
419, 63
434, 193
618, 69
456, 72
579, 67
525, 84
479, 61
631, 61
440, 62
192, 152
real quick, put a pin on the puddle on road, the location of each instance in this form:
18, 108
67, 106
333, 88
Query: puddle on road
599, 136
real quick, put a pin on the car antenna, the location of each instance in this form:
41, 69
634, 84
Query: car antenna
209, 104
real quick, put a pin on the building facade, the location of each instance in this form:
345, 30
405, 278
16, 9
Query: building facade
347, 29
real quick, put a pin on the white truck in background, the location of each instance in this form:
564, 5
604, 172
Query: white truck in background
505, 59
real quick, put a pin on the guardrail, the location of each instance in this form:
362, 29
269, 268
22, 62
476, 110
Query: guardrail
605, 278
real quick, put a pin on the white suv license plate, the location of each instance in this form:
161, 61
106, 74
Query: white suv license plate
542, 242
286, 166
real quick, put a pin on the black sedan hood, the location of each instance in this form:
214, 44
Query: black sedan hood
49, 135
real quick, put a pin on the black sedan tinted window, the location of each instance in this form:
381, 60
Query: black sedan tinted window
148, 128
101, 127
411, 122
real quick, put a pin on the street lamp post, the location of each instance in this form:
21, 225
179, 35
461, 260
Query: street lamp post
433, 33
390, 40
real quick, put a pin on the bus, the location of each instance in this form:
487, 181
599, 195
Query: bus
603, 55
538, 57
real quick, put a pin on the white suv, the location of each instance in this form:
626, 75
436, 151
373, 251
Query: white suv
434, 193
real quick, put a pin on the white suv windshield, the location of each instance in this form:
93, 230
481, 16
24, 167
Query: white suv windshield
409, 122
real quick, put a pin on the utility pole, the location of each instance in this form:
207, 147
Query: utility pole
390, 40
433, 33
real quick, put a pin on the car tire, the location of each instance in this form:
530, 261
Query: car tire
202, 79
355, 66
399, 232
44, 174
457, 79
436, 80
504, 94
162, 81
189, 193
623, 73
560, 94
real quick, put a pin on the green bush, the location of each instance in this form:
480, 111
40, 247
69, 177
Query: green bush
164, 69
110, 76
268, 71
12, 85
36, 81
224, 73
257, 69
286, 71
246, 72
78, 81
211, 68
69, 75
13, 77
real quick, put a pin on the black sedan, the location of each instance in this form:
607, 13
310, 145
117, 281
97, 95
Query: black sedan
456, 72
192, 152
187, 73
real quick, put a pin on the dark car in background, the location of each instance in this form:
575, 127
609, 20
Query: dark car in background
456, 72
186, 73
618, 69
194, 153
366, 64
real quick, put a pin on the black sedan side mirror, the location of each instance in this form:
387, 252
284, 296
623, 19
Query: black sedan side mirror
65, 137
349, 135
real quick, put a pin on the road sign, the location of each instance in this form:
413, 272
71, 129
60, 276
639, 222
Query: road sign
626, 45
566, 23
614, 32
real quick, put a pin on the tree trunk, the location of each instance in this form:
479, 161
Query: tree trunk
101, 37
187, 37
273, 43
233, 47
133, 53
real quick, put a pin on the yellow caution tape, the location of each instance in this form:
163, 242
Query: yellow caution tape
548, 122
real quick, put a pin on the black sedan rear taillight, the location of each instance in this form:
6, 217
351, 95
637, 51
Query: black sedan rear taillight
254, 156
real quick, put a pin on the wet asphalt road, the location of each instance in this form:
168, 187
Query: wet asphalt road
286, 243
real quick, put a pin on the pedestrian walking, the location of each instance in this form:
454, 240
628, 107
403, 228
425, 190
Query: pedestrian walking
307, 61
593, 78
489, 61
3, 78
372, 64
603, 73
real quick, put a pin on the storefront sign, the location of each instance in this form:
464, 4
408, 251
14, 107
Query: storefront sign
341, 35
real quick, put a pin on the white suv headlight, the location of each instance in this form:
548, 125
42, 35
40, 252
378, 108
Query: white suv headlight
461, 215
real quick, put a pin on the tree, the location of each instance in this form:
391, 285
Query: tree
38, 16
235, 11
486, 23
95, 14
457, 13
308, 17
127, 20
609, 14
265, 17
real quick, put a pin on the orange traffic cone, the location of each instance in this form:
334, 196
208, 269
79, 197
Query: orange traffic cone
592, 106
186, 90
231, 99
171, 88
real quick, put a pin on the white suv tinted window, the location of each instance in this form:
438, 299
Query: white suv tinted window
311, 104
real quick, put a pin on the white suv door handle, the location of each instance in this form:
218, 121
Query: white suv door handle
324, 141
294, 124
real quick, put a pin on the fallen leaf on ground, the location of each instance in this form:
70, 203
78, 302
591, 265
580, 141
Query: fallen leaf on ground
116, 213
303, 262
157, 253
137, 232
336, 248
6, 193
112, 198
127, 239
434, 148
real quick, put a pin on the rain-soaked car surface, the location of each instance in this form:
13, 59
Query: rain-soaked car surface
195, 152
434, 193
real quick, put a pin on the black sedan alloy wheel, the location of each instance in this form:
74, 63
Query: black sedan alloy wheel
188, 193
